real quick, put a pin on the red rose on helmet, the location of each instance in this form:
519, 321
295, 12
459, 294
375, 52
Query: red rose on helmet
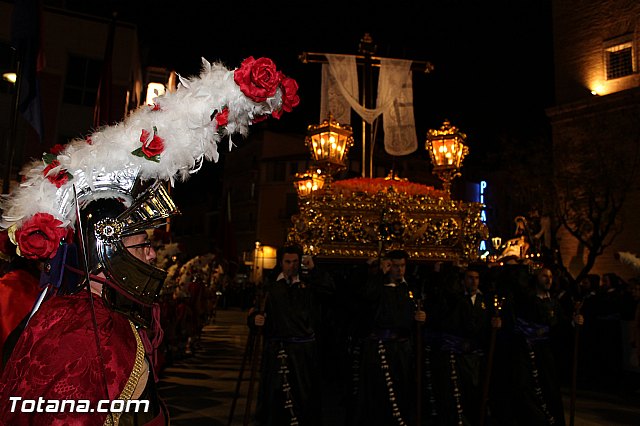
290, 98
58, 179
258, 78
39, 237
151, 147
222, 118
57, 149
259, 118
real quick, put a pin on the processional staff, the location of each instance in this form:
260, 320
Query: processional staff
254, 360
496, 323
574, 367
252, 349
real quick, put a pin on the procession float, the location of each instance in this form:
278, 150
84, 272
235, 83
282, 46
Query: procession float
363, 217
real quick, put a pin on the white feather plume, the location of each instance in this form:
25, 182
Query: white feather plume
183, 119
630, 259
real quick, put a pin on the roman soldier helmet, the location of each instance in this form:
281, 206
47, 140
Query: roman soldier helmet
112, 184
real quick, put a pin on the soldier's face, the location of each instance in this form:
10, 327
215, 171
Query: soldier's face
140, 247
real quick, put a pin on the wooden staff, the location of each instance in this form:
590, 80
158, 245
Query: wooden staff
497, 303
254, 363
419, 368
250, 346
574, 369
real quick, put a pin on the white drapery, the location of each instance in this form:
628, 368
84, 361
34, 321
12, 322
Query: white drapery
332, 99
395, 96
394, 100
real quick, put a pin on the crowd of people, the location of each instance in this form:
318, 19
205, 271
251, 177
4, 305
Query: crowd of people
405, 343
435, 344
189, 300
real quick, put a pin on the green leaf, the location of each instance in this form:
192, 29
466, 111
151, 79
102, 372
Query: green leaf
138, 152
48, 158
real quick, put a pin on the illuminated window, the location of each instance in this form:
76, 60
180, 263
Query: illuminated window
7, 64
619, 60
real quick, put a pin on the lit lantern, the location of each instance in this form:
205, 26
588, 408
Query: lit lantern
447, 150
329, 143
309, 182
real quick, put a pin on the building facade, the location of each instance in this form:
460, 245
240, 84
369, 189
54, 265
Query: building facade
259, 175
73, 47
596, 120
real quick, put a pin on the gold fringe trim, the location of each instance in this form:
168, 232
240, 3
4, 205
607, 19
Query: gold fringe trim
130, 386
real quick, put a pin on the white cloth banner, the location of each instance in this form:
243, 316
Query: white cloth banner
344, 69
395, 98
395, 95
331, 99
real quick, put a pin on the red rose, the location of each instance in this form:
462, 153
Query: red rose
259, 118
39, 237
144, 136
222, 118
290, 98
155, 107
258, 79
57, 149
152, 147
88, 140
58, 179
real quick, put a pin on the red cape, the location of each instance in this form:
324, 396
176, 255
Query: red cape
56, 359
18, 291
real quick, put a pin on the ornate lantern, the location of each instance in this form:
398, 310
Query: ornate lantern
329, 143
447, 150
308, 182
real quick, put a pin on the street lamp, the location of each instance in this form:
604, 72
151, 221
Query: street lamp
308, 182
11, 77
329, 143
447, 150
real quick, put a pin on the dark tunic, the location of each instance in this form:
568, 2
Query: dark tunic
458, 361
290, 378
386, 349
533, 394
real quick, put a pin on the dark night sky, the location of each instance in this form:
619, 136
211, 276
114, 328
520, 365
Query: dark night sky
493, 60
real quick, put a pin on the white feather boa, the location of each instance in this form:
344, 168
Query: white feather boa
183, 119
630, 259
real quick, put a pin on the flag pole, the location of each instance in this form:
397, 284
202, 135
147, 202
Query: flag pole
10, 142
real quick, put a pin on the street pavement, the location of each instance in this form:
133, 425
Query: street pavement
199, 390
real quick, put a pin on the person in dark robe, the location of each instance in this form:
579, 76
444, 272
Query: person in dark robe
289, 310
605, 311
384, 394
530, 376
459, 364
